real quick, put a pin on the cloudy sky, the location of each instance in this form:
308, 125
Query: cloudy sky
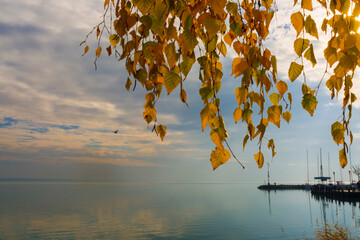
57, 114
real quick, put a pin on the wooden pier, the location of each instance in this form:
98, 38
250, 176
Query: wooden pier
284, 187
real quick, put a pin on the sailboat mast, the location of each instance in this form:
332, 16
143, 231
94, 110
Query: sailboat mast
307, 165
321, 168
268, 173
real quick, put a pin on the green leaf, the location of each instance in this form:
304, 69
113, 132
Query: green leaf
300, 45
246, 115
295, 71
218, 157
259, 158
206, 93
212, 26
232, 8
141, 75
172, 80
161, 130
186, 65
338, 132
146, 20
190, 40
236, 28
211, 45
309, 103
309, 55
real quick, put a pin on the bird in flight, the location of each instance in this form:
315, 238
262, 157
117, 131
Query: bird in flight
116, 131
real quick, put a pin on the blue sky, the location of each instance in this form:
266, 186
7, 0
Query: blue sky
57, 114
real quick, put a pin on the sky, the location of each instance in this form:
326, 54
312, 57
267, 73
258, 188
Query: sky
58, 114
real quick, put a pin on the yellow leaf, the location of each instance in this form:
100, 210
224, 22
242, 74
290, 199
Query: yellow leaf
222, 48
106, 3
238, 47
307, 4
309, 55
297, 21
338, 132
241, 94
286, 116
161, 130
237, 114
281, 87
183, 96
342, 158
207, 114
246, 115
267, 3
98, 51
239, 65
218, 157
310, 27
290, 99
274, 98
295, 70
218, 136
229, 37
143, 5
330, 55
246, 138
86, 49
266, 81
172, 80
128, 84
300, 45
149, 114
171, 55
97, 31
274, 113
259, 158
309, 103
217, 6
108, 49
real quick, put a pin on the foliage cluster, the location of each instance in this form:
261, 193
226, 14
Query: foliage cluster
160, 41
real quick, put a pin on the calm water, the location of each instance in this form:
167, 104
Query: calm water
163, 211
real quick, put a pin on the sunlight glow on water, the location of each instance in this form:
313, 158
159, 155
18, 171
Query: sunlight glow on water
162, 211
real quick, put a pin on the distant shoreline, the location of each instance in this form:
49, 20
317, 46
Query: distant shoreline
48, 180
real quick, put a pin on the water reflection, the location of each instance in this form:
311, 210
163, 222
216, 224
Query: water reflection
163, 211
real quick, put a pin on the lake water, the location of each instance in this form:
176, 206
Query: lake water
163, 211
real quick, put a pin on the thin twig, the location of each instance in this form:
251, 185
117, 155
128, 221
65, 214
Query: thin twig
233, 154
